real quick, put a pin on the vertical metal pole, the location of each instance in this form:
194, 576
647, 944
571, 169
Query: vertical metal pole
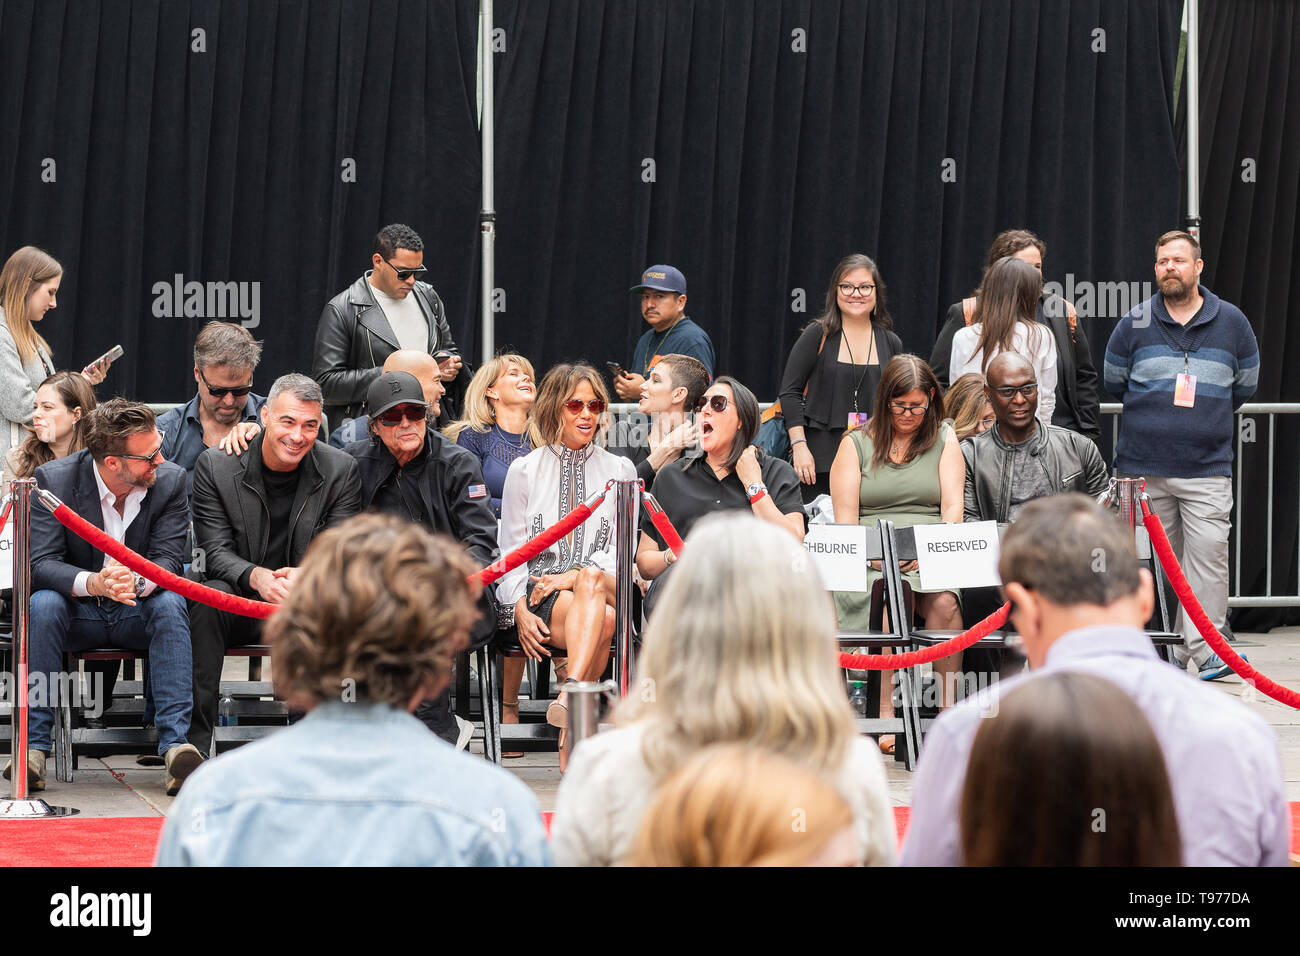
627, 504
585, 698
1193, 221
487, 215
22, 517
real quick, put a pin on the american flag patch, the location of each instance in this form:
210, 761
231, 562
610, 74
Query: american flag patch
478, 491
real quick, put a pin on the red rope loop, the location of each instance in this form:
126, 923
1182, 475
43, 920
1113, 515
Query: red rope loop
532, 548
1192, 606
659, 518
888, 662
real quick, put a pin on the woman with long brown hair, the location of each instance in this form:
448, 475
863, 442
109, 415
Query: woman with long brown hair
58, 424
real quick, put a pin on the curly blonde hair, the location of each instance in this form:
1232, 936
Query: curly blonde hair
379, 608
480, 415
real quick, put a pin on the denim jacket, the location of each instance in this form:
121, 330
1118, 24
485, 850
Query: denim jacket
353, 784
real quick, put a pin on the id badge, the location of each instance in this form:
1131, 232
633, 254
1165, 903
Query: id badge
856, 419
1185, 391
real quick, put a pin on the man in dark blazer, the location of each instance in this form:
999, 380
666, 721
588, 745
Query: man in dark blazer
254, 517
82, 599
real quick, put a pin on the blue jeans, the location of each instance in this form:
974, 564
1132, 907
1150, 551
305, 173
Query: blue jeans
158, 623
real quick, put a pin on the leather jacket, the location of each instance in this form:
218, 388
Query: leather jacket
1071, 460
353, 338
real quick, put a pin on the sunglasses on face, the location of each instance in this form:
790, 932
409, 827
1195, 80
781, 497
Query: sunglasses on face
152, 455
717, 403
402, 413
1009, 392
404, 274
574, 406
219, 391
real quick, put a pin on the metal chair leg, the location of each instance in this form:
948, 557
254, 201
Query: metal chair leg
490, 702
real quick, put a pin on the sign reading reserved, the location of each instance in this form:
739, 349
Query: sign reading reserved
840, 553
953, 556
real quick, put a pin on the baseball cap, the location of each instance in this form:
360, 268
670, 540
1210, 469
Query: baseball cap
662, 279
393, 388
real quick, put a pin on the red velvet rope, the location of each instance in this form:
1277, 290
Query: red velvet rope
1160, 541
4, 516
100, 539
889, 662
530, 549
659, 518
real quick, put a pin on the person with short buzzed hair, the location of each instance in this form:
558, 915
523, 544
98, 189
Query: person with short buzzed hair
426, 372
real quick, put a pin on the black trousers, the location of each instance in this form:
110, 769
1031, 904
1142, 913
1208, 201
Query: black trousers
211, 633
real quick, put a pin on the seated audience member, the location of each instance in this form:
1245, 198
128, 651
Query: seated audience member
254, 517
427, 373
741, 806
1004, 322
409, 470
379, 609
742, 651
58, 428
968, 407
570, 603
1077, 617
1020, 458
669, 394
1077, 388
1079, 764
224, 412
732, 474
83, 599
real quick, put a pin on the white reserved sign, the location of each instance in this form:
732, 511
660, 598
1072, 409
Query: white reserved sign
839, 552
958, 555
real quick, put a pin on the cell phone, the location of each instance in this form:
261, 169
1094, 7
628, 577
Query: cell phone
615, 369
112, 355
441, 355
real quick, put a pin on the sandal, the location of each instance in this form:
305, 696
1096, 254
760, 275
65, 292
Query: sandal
886, 744
510, 705
560, 668
557, 714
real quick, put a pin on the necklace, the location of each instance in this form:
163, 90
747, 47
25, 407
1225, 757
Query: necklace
520, 445
654, 346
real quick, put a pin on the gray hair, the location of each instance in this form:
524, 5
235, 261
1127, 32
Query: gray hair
299, 386
225, 343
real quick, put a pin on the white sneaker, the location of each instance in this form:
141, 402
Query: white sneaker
466, 732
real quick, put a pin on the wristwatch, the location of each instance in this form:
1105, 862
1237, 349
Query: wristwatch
755, 490
140, 582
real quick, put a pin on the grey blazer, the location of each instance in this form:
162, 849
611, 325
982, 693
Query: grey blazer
18, 383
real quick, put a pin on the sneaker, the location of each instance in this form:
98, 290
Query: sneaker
35, 770
1215, 669
466, 732
181, 761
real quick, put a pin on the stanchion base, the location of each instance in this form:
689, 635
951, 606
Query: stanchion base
32, 810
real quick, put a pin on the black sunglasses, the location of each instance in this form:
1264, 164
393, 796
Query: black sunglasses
408, 412
718, 403
152, 455
1009, 392
217, 391
404, 274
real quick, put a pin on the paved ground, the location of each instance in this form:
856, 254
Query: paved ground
117, 786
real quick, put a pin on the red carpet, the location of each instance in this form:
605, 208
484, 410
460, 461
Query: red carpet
130, 841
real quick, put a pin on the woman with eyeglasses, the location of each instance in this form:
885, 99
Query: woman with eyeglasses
968, 407
1004, 322
903, 465
29, 287
563, 598
732, 475
834, 370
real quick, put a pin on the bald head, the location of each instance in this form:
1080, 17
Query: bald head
1007, 374
425, 370
1004, 364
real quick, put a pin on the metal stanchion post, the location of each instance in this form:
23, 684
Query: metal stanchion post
20, 806
585, 698
627, 503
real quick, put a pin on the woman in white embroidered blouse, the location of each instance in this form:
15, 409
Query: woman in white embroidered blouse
564, 597
1004, 321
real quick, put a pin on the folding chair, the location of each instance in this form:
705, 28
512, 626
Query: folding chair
1160, 627
104, 740
254, 700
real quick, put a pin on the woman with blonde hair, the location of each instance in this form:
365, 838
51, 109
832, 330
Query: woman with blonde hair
741, 650
968, 407
742, 806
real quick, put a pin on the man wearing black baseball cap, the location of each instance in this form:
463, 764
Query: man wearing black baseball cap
663, 304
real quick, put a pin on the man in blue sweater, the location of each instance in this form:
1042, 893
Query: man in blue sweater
1182, 363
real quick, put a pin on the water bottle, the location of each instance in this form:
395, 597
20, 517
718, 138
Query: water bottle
227, 716
858, 699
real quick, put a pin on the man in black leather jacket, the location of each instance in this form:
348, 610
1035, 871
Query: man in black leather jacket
385, 310
1019, 459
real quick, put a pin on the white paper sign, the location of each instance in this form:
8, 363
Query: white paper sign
954, 556
840, 553
7, 555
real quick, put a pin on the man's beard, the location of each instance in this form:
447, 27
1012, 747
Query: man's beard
1174, 288
141, 481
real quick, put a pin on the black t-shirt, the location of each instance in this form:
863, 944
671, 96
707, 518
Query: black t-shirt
281, 487
400, 494
687, 489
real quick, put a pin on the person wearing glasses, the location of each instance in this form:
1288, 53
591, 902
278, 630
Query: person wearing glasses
563, 598
386, 309
224, 412
1004, 322
904, 465
254, 517
834, 369
408, 469
83, 599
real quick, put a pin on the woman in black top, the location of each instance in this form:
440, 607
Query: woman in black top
834, 368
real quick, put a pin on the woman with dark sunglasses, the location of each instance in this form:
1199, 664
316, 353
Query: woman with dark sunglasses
732, 474
564, 597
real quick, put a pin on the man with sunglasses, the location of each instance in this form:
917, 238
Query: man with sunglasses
387, 309
408, 469
1020, 459
224, 411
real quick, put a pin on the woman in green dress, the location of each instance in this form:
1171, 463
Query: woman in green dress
904, 465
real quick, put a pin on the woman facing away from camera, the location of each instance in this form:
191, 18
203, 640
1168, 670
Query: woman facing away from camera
742, 651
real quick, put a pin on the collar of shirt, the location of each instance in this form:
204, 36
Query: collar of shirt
114, 523
1099, 641
249, 413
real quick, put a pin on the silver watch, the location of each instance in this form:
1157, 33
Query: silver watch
754, 487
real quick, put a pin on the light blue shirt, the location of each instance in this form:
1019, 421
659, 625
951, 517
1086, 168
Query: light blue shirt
353, 784
1224, 766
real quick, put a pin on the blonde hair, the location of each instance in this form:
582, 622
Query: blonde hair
25, 269
741, 649
740, 806
964, 401
480, 415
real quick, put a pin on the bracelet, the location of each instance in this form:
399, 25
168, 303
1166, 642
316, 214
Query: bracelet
758, 497
668, 551
795, 441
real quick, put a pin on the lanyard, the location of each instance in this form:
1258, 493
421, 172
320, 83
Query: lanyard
871, 350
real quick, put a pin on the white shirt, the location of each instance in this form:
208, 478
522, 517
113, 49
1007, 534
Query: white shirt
543, 487
1041, 352
408, 322
115, 526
